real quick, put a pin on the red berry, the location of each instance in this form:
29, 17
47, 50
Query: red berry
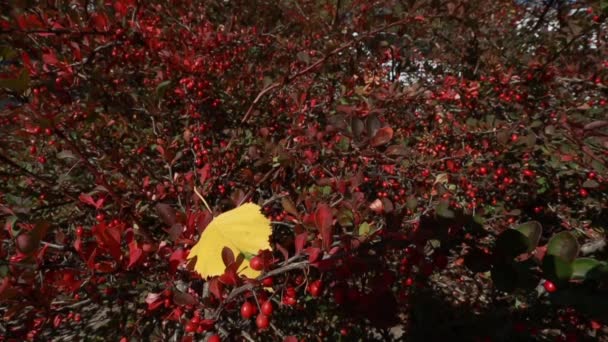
248, 310
100, 217
262, 321
549, 286
583, 192
256, 263
289, 301
267, 308
214, 338
190, 327
79, 231
315, 288
268, 282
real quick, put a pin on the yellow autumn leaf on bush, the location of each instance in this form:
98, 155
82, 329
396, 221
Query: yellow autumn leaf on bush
244, 230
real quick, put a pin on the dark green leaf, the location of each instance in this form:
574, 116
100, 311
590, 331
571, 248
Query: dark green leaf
532, 230
504, 277
510, 244
372, 125
556, 268
443, 211
563, 245
583, 266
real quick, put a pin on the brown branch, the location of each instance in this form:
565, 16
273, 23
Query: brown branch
250, 286
56, 32
318, 63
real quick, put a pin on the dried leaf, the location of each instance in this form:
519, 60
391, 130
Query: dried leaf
323, 221
382, 136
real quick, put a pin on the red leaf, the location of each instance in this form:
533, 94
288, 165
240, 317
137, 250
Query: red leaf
50, 58
175, 232
289, 206
204, 173
227, 256
290, 339
100, 21
181, 298
176, 259
215, 287
313, 254
300, 242
383, 136
230, 277
166, 213
88, 199
135, 254
283, 251
595, 125
6, 290
105, 267
109, 239
323, 221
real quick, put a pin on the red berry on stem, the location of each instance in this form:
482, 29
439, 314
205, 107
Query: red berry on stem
248, 310
214, 338
268, 282
267, 308
315, 288
262, 321
190, 327
256, 263
549, 286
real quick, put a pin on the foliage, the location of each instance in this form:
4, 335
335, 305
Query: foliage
426, 166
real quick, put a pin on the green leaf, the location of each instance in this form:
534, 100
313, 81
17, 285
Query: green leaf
345, 217
161, 88
556, 268
10, 225
303, 57
7, 53
590, 184
66, 154
583, 266
510, 244
532, 230
443, 210
564, 246
411, 203
20, 84
364, 229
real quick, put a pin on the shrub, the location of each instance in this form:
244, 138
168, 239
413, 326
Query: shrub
430, 169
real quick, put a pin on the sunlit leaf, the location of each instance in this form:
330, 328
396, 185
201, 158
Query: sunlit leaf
244, 230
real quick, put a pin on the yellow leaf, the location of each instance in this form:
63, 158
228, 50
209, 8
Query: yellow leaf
244, 230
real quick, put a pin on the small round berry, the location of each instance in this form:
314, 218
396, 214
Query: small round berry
262, 321
549, 286
267, 308
315, 288
214, 338
248, 310
268, 282
256, 263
